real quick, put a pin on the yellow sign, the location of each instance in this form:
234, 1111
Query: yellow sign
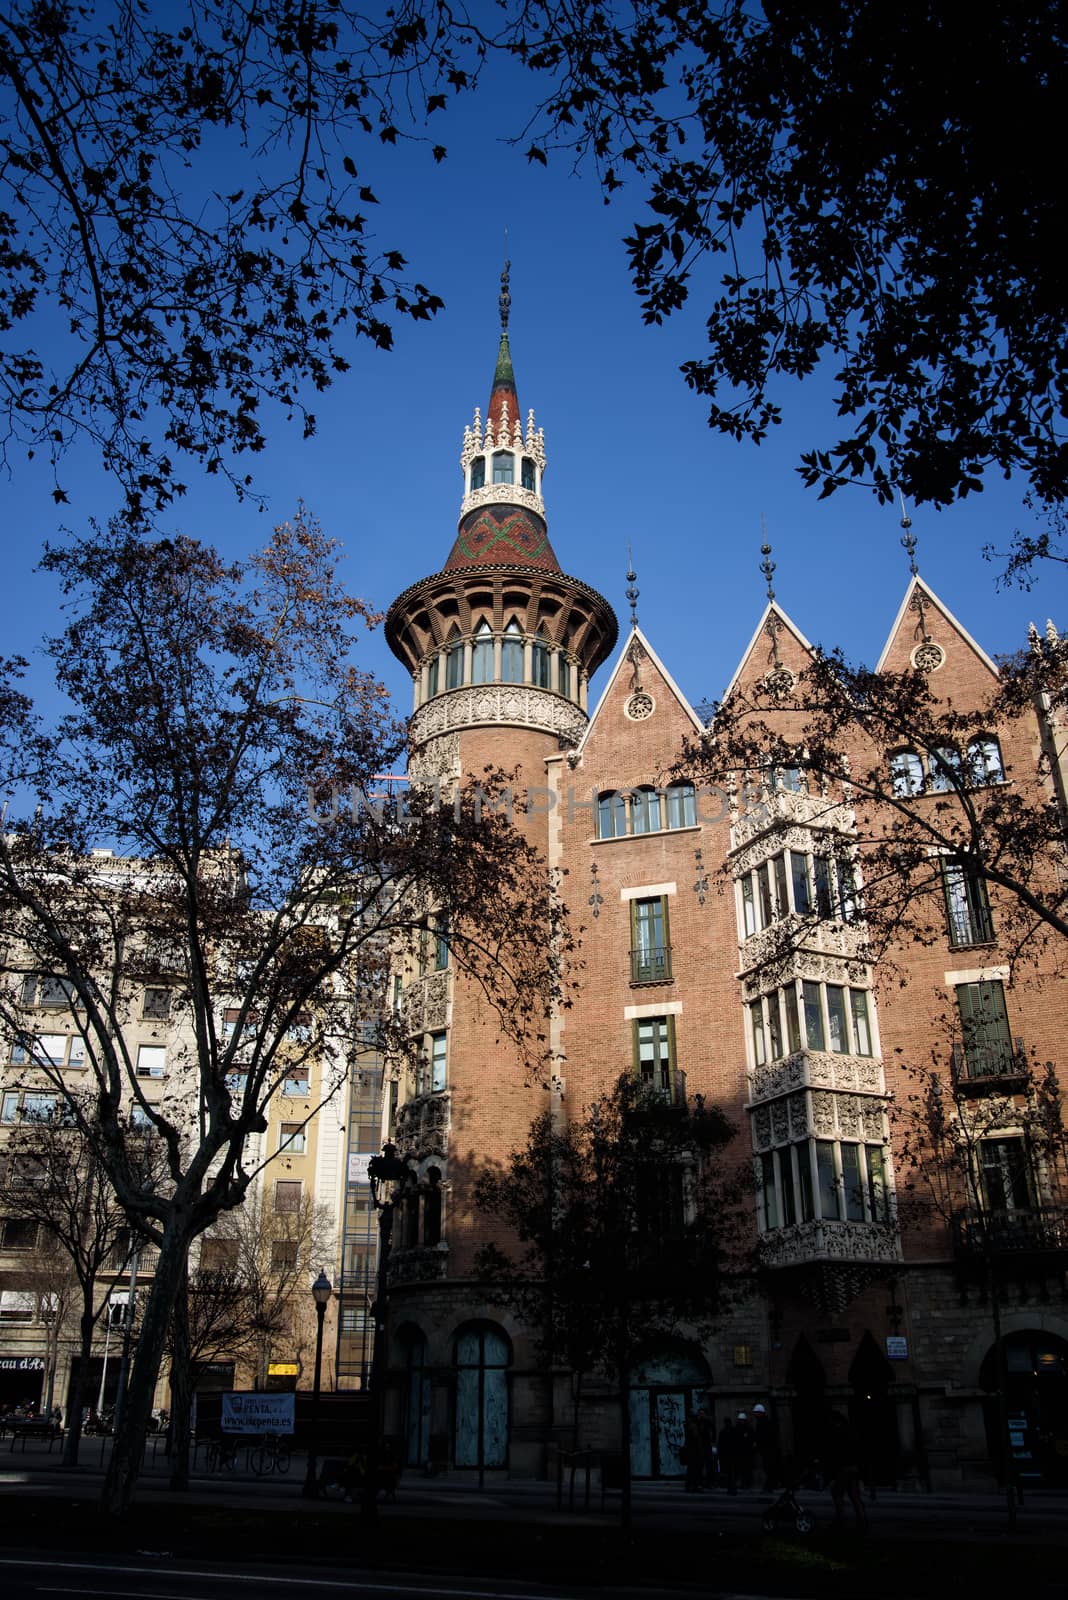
282, 1369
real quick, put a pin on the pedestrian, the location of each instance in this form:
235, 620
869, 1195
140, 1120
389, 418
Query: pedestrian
728, 1464
693, 1455
708, 1447
766, 1441
744, 1450
840, 1456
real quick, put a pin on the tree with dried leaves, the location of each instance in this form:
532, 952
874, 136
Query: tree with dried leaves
55, 1184
630, 1231
210, 708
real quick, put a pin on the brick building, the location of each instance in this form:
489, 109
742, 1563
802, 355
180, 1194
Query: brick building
857, 1307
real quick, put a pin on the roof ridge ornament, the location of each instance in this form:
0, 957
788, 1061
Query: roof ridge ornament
504, 299
632, 590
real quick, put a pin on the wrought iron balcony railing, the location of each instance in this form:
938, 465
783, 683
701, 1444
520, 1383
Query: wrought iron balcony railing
651, 964
1038, 1230
979, 1066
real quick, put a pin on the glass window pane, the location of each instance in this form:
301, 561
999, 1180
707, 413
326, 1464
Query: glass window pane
539, 665
825, 906
803, 1157
151, 1061
563, 675
528, 474
858, 1001
756, 1018
681, 806
482, 656
876, 1182
785, 1162
906, 773
853, 1191
646, 804
767, 914
782, 899
813, 1016
437, 1061
775, 1026
827, 1179
749, 910
478, 472
945, 768
837, 1028
793, 1023
767, 1187
503, 467
802, 886
454, 666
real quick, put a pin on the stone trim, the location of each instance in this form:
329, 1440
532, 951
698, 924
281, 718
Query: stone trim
497, 705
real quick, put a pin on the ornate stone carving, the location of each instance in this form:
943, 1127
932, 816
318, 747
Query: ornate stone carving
830, 1241
422, 1127
421, 1265
798, 1116
822, 1112
780, 1125
928, 656
762, 1128
437, 758
779, 682
784, 808
508, 493
797, 946
640, 706
520, 705
820, 1070
424, 1003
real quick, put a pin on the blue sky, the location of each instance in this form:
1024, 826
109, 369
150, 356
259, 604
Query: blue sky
631, 459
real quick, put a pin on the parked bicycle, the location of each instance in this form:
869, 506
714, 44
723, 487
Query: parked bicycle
222, 1455
270, 1455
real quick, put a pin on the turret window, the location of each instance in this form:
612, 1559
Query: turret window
563, 675
528, 474
512, 654
504, 467
454, 665
478, 473
539, 663
432, 676
482, 655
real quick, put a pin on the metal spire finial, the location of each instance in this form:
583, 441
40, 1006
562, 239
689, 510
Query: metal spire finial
632, 591
908, 538
767, 566
504, 300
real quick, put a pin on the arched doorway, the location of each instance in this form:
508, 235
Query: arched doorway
1037, 1393
808, 1409
663, 1391
873, 1412
416, 1397
480, 1434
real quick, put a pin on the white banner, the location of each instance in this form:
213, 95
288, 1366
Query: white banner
257, 1413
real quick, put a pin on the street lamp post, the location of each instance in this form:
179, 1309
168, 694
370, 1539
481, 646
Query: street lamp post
389, 1173
322, 1289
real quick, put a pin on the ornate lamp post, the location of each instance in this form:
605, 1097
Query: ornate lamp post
322, 1289
388, 1175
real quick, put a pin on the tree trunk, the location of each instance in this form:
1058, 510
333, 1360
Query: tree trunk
126, 1457
181, 1386
87, 1327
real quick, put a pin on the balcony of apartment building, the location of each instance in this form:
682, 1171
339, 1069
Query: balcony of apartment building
1033, 1234
990, 1066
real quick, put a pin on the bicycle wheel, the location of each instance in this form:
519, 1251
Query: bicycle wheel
281, 1459
260, 1461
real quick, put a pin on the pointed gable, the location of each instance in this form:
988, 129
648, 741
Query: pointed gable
926, 634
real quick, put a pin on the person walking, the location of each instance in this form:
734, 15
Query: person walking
766, 1440
840, 1456
727, 1460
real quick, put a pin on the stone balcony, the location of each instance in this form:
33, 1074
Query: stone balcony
816, 1069
424, 1003
850, 1243
422, 1126
837, 951
787, 808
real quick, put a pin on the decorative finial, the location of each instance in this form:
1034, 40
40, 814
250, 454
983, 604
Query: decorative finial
767, 566
504, 300
632, 591
908, 538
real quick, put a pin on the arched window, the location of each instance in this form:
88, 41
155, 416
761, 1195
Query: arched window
416, 1397
611, 815
478, 472
503, 467
539, 661
482, 654
482, 1360
984, 760
681, 805
646, 801
512, 654
945, 768
906, 773
528, 474
454, 661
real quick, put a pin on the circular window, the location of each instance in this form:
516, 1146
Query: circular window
928, 656
639, 706
779, 683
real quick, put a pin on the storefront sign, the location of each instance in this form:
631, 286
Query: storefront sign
22, 1364
257, 1413
282, 1369
897, 1347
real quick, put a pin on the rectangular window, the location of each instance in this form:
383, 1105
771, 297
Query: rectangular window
877, 1201
650, 950
51, 1048
441, 946
287, 1195
786, 1159
775, 1026
298, 1086
654, 1050
156, 1005
1006, 1174
52, 994
793, 1022
16, 1305
39, 1107
821, 872
858, 1005
837, 1028
432, 676
827, 1179
20, 1233
151, 1061
813, 1015
283, 1253
454, 666
967, 905
760, 1048
512, 655
749, 910
438, 1050
563, 676
987, 1044
9, 1107
852, 1185
767, 1188
482, 657
802, 884
782, 898
539, 665
294, 1138
767, 913
803, 1156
